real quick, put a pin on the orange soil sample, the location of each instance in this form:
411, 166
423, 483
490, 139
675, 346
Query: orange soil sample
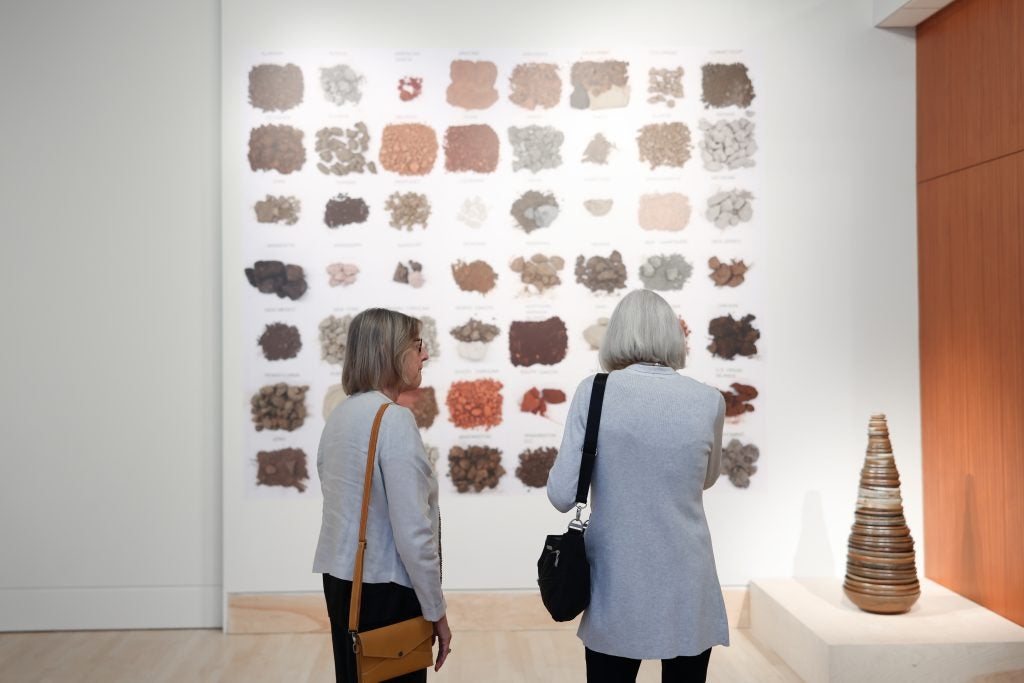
408, 148
475, 403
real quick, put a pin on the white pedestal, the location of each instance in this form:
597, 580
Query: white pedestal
823, 636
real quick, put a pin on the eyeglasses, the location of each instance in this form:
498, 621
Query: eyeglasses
419, 344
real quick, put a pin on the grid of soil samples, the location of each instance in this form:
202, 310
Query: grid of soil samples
508, 199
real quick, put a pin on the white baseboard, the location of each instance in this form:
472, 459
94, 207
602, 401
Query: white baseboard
73, 609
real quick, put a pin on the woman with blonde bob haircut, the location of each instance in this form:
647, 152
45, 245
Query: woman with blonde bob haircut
384, 357
654, 590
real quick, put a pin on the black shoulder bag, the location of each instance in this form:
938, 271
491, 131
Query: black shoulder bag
563, 572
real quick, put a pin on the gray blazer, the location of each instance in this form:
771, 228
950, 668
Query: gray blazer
654, 587
402, 525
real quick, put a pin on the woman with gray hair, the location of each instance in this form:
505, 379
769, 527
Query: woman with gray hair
654, 588
384, 356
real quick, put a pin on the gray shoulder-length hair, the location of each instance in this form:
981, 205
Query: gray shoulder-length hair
377, 340
643, 329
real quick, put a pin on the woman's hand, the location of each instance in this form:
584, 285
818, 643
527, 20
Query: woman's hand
444, 641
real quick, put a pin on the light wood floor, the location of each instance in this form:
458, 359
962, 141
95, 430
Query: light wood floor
483, 656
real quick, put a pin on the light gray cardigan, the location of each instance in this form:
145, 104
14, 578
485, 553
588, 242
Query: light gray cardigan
654, 587
402, 525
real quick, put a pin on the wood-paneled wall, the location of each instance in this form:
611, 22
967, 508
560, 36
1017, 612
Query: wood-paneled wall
970, 83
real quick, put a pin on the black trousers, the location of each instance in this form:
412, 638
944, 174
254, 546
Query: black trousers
382, 604
602, 668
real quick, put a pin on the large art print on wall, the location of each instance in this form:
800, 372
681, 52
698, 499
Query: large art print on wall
508, 199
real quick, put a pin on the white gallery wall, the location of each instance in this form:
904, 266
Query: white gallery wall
113, 272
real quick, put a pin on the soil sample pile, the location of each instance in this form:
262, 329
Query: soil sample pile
334, 397
472, 84
408, 149
333, 338
665, 272
597, 150
341, 84
428, 333
731, 337
475, 276
344, 151
738, 462
409, 273
535, 85
274, 277
474, 467
727, 274
408, 209
539, 272
345, 210
534, 466
409, 88
726, 85
738, 400
279, 406
668, 211
471, 148
280, 341
536, 400
474, 337
276, 148
423, 404
730, 208
342, 274
534, 210
598, 207
594, 334
475, 403
535, 147
542, 342
728, 144
285, 467
278, 210
601, 274
665, 86
473, 212
433, 455
599, 85
664, 144
273, 87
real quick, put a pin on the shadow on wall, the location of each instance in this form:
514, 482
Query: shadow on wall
813, 554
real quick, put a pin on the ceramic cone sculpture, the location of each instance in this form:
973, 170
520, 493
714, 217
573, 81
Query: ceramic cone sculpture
881, 575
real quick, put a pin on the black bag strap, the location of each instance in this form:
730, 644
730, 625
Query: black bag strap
590, 438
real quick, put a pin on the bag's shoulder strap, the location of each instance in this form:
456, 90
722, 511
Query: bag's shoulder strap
590, 438
357, 571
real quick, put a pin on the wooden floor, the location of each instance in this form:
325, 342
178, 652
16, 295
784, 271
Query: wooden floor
483, 656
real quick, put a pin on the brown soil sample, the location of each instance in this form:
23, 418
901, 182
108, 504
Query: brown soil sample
726, 85
664, 144
471, 148
333, 338
597, 150
278, 210
599, 85
409, 88
342, 274
344, 151
665, 86
475, 403
536, 400
408, 149
543, 342
535, 85
601, 274
273, 87
474, 467
731, 337
664, 211
345, 210
280, 341
472, 85
423, 404
475, 276
275, 277
285, 467
727, 274
534, 466
409, 273
474, 330
408, 209
535, 210
279, 406
738, 400
276, 148
539, 272
738, 462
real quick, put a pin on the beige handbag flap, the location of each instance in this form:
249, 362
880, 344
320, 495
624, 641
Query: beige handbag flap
396, 640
